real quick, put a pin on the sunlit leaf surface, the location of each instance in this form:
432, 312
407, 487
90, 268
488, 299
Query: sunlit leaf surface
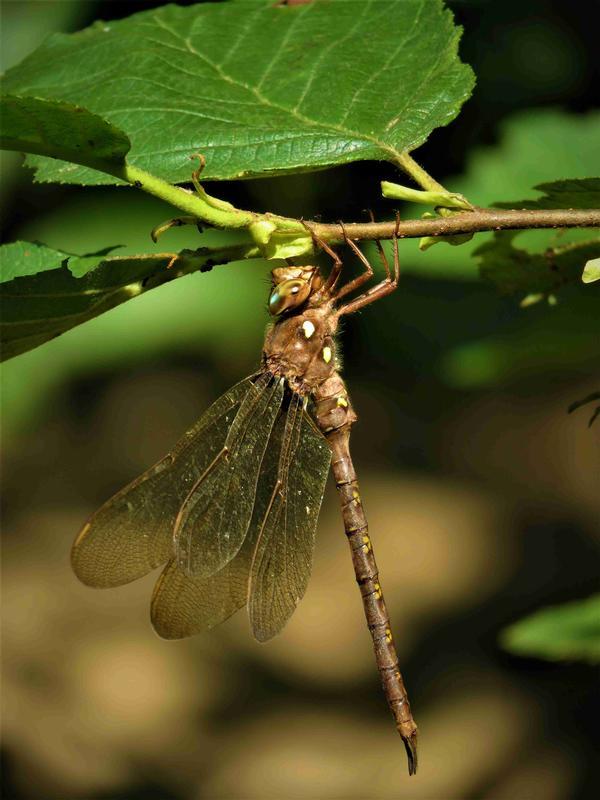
257, 88
22, 259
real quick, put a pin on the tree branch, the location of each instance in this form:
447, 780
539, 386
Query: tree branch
284, 229
476, 221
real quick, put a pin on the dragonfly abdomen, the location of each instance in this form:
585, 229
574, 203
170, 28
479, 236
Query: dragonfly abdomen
335, 420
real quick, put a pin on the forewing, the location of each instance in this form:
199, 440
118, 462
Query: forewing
183, 605
216, 514
132, 533
282, 559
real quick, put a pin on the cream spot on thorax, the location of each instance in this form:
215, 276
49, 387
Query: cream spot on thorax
308, 328
327, 354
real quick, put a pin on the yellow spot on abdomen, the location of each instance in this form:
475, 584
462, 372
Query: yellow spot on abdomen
327, 354
388, 635
366, 543
342, 402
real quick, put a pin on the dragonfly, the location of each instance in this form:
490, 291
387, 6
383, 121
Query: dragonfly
231, 512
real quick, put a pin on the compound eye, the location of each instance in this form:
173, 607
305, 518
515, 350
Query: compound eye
288, 294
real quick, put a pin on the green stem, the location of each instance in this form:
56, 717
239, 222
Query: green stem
216, 214
417, 173
203, 207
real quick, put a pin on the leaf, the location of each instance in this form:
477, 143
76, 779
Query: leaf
512, 269
255, 87
24, 259
570, 193
591, 271
60, 130
517, 270
217, 317
21, 259
534, 146
567, 632
38, 307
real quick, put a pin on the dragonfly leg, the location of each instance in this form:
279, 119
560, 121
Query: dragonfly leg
381, 251
380, 290
336, 269
355, 284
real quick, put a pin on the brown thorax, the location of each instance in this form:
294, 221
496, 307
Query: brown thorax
300, 345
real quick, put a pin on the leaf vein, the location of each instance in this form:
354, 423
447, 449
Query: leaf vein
334, 43
360, 89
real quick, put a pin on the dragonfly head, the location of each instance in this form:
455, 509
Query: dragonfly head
292, 286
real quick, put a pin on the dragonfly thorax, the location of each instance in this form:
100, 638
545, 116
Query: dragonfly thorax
301, 348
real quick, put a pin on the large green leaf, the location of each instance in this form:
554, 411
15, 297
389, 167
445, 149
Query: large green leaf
257, 88
565, 193
22, 32
38, 307
513, 269
557, 263
60, 130
567, 632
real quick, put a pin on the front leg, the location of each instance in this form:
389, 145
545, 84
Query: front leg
381, 289
365, 276
336, 269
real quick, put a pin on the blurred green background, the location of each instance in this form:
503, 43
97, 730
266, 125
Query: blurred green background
481, 492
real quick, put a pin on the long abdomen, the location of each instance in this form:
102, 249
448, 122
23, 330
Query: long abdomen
335, 417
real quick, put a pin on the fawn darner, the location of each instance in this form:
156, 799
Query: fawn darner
232, 510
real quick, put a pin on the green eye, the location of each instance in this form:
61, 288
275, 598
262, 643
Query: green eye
274, 301
288, 294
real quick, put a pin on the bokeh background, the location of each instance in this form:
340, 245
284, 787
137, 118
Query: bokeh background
482, 493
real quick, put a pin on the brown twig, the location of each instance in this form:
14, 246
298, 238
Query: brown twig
479, 220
